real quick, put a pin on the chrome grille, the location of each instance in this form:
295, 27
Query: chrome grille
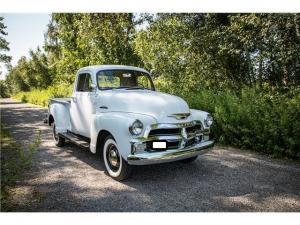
177, 135
173, 144
170, 144
191, 131
165, 132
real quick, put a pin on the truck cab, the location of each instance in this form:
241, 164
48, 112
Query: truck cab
116, 112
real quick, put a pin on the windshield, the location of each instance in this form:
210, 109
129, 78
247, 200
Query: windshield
127, 79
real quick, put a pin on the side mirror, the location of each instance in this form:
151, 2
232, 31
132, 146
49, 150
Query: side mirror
94, 87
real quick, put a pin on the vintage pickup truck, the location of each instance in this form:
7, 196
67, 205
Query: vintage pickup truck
116, 112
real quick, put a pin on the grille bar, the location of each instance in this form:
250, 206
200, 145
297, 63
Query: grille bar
165, 132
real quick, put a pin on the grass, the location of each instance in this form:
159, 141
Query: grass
14, 161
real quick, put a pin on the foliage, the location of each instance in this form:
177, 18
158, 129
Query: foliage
259, 119
222, 50
14, 161
194, 51
30, 73
4, 90
42, 96
89, 39
4, 45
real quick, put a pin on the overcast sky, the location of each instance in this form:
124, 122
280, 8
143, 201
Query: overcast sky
25, 31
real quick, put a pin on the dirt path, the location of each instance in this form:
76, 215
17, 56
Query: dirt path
71, 179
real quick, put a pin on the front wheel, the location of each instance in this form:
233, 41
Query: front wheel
115, 165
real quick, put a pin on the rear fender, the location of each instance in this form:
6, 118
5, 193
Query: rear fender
61, 115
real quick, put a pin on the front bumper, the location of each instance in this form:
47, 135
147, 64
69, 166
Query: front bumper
169, 155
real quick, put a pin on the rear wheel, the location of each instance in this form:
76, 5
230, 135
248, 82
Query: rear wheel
115, 165
189, 160
59, 141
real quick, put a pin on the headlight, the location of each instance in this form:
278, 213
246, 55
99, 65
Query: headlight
136, 128
208, 121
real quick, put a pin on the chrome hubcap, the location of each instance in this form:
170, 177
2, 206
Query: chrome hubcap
113, 157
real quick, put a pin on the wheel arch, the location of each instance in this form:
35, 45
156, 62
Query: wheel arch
117, 124
102, 135
50, 119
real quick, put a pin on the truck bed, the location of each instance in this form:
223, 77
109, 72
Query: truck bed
60, 100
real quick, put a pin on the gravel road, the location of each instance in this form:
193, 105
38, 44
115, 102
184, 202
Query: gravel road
72, 179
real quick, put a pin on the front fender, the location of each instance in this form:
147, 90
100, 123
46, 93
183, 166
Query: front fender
199, 115
117, 123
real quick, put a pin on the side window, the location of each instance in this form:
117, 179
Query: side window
84, 82
80, 82
87, 83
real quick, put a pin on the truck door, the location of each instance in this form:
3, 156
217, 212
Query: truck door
82, 105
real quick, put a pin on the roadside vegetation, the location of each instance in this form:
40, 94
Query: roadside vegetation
41, 96
14, 161
254, 119
242, 68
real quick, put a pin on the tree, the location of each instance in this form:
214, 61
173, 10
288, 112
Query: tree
30, 73
184, 48
216, 51
40, 71
191, 51
4, 45
77, 40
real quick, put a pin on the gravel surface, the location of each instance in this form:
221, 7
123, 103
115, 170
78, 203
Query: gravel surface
73, 179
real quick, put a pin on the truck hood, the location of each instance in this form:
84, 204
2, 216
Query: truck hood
156, 104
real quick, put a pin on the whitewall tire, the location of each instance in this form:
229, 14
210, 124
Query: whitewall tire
115, 165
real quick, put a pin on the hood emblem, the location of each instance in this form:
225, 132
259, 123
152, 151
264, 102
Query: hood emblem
180, 116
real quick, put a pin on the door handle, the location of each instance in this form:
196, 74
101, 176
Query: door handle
103, 107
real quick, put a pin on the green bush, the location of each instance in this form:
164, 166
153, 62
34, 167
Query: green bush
261, 119
253, 119
41, 97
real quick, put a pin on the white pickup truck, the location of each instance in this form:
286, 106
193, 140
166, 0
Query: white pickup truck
116, 112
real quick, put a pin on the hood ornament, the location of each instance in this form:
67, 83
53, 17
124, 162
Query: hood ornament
180, 116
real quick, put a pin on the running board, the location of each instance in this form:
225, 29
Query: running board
75, 139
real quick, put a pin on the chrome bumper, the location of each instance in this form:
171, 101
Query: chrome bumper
169, 155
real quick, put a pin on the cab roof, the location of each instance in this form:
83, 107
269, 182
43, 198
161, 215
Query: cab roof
96, 68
